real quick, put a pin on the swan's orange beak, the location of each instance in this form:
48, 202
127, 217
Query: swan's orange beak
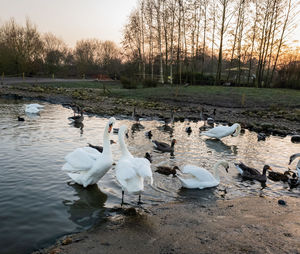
109, 128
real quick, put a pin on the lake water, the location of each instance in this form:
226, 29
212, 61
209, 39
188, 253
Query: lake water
39, 203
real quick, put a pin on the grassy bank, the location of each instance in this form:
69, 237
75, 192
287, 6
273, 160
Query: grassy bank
234, 96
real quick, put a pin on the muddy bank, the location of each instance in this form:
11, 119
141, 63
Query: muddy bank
259, 117
245, 225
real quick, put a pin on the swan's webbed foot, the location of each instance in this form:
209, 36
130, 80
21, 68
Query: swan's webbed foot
140, 202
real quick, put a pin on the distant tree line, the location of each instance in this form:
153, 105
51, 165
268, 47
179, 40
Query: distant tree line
24, 50
242, 42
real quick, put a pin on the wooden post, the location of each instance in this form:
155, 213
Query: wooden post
23, 75
52, 75
2, 76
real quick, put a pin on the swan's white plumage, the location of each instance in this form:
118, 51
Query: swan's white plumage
33, 108
130, 171
197, 177
86, 165
223, 131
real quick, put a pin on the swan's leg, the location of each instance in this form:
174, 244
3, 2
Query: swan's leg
140, 202
122, 198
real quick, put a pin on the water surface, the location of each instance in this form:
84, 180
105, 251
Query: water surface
39, 203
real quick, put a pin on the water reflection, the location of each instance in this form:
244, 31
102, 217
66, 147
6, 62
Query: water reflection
166, 128
220, 147
89, 207
204, 195
78, 125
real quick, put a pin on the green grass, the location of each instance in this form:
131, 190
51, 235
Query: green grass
235, 96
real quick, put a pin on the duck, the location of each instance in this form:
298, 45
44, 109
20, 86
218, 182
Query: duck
188, 130
100, 148
148, 134
34, 108
277, 176
295, 138
169, 120
249, 173
164, 147
86, 166
261, 136
165, 170
148, 157
194, 177
294, 181
135, 116
21, 119
206, 118
130, 171
223, 131
78, 118
292, 158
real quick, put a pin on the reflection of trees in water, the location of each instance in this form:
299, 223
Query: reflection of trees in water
220, 147
79, 126
89, 207
166, 128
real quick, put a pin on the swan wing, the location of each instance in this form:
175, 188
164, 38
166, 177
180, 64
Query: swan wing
142, 168
68, 167
190, 183
218, 132
124, 170
36, 105
81, 159
201, 174
92, 152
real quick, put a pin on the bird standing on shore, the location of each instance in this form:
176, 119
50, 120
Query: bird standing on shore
131, 171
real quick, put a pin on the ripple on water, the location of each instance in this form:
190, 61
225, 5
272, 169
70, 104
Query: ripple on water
38, 201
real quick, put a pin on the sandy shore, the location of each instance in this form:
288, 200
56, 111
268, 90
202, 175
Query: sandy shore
244, 225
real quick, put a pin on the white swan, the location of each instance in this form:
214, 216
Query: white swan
223, 131
86, 165
33, 108
130, 171
195, 177
292, 158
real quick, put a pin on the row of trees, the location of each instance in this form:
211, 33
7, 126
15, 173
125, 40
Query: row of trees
237, 41
24, 50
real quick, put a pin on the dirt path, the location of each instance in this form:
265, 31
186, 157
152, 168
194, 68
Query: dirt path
245, 225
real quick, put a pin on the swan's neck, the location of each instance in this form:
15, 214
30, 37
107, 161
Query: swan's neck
216, 170
106, 142
123, 146
236, 129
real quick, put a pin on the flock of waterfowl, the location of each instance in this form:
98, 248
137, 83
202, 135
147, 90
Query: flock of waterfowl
87, 165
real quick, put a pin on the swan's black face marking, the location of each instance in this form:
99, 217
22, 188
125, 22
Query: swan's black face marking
226, 168
126, 134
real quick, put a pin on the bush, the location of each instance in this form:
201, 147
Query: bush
128, 83
149, 83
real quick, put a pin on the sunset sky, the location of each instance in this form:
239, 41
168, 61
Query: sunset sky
72, 20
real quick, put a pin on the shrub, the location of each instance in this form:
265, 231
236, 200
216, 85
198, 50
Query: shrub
149, 83
128, 83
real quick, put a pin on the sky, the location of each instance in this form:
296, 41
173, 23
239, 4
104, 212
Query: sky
72, 20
